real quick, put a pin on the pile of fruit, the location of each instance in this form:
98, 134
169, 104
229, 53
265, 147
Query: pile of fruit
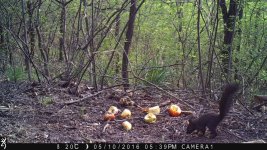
150, 117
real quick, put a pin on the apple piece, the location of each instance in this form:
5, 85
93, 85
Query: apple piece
113, 110
154, 110
150, 118
174, 110
126, 113
109, 116
127, 125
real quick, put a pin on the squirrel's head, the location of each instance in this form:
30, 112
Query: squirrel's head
190, 127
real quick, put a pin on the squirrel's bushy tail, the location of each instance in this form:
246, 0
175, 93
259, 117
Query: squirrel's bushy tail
227, 99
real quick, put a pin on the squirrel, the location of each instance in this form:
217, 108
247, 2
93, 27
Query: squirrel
211, 120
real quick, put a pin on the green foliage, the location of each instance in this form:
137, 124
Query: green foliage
263, 75
156, 76
15, 73
82, 110
46, 100
165, 33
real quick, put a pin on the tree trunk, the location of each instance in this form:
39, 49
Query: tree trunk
25, 38
1, 34
10, 55
127, 44
2, 46
239, 33
180, 14
62, 40
44, 53
62, 31
117, 31
199, 49
92, 47
31, 28
229, 18
212, 42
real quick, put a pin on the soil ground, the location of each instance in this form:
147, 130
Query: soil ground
39, 114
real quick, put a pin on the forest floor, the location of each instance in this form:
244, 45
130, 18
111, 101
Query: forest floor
42, 114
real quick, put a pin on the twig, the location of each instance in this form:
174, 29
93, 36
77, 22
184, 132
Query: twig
105, 127
165, 103
256, 141
85, 98
188, 112
259, 106
242, 104
235, 135
159, 88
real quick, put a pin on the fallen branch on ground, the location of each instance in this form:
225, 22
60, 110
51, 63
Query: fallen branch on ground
85, 98
161, 89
